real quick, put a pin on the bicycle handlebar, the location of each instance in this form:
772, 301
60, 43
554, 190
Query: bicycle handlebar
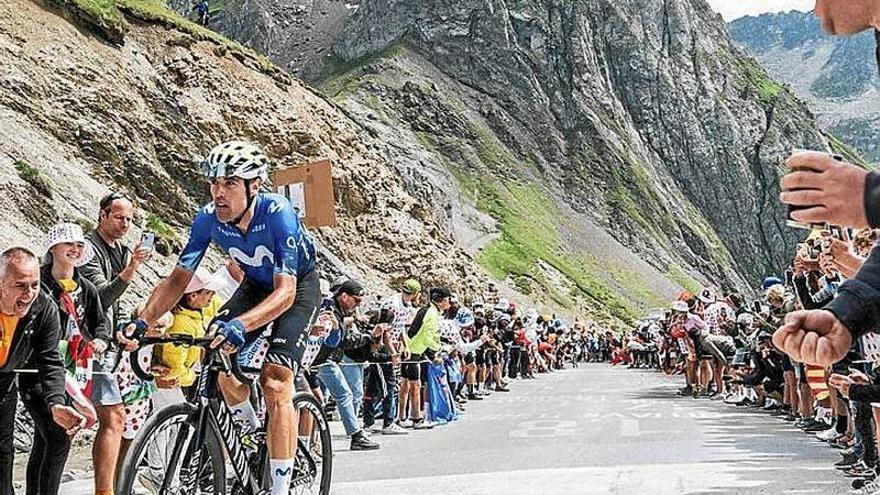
228, 364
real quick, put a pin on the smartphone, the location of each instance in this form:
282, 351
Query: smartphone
756, 305
327, 304
148, 241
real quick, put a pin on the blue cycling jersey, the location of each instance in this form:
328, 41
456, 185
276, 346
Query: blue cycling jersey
275, 241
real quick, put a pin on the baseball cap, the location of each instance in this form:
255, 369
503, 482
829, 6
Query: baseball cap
203, 279
337, 283
411, 286
351, 288
438, 293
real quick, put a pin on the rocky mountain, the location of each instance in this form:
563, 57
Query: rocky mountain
596, 125
91, 101
595, 155
837, 76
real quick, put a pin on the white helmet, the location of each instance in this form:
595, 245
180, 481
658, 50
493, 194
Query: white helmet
236, 159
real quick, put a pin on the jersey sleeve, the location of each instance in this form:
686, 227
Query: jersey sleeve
287, 234
199, 240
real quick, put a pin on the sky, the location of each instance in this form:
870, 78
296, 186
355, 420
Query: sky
733, 9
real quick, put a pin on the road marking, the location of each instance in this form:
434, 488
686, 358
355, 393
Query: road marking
544, 429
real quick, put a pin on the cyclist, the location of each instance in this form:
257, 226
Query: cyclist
263, 234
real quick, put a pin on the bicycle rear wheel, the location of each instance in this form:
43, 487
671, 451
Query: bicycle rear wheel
163, 460
313, 466
313, 463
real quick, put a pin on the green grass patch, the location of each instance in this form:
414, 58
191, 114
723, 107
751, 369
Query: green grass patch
345, 76
526, 219
766, 89
677, 275
636, 285
108, 16
34, 177
166, 238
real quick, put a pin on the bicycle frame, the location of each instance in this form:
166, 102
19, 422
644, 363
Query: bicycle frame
213, 412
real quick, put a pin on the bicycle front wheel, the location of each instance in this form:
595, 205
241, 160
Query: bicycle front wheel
164, 460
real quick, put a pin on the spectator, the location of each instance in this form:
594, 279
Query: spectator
82, 332
425, 343
111, 270
201, 9
24, 308
402, 306
346, 298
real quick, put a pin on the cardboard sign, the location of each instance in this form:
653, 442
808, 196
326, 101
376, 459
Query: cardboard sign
310, 190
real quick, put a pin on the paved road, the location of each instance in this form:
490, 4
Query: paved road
591, 430
596, 430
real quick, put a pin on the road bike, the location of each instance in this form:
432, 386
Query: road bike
195, 448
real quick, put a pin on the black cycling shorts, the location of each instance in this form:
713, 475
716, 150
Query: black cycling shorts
411, 369
289, 332
469, 358
491, 358
480, 357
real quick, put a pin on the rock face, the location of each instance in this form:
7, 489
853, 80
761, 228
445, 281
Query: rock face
297, 35
79, 116
600, 155
837, 76
653, 141
643, 113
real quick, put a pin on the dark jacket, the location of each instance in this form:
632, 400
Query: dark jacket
351, 338
100, 272
857, 304
90, 315
35, 345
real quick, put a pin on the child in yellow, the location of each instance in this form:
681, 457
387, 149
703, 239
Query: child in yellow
192, 315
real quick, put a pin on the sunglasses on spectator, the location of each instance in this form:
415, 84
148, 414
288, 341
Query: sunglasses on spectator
108, 200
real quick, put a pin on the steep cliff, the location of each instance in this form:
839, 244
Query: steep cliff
837, 76
638, 119
600, 155
133, 104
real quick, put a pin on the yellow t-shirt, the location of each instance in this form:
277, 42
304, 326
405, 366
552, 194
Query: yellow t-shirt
7, 330
180, 359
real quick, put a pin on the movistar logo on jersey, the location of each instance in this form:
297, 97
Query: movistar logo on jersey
276, 207
261, 253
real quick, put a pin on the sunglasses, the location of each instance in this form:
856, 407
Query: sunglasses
108, 200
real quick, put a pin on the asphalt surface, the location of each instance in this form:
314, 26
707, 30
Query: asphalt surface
590, 430
596, 430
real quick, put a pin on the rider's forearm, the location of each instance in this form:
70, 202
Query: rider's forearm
166, 295
279, 301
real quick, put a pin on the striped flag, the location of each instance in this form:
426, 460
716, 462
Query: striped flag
816, 380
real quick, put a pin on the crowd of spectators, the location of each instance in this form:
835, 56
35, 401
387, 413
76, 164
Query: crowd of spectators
722, 344
382, 365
